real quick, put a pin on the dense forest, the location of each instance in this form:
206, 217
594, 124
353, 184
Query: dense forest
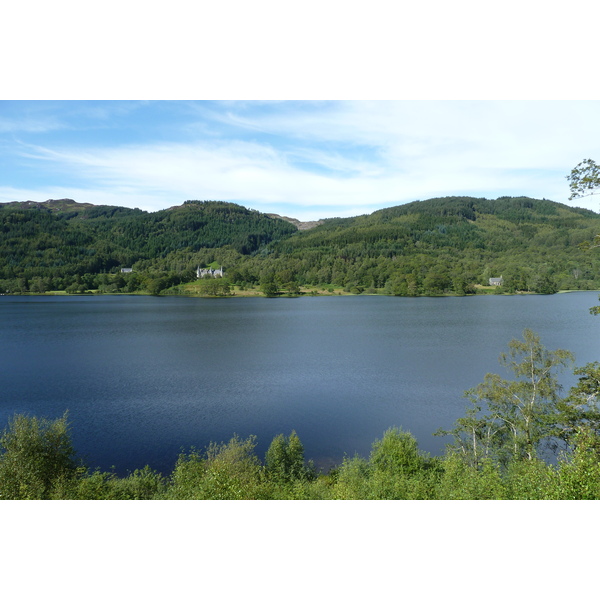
440, 246
519, 439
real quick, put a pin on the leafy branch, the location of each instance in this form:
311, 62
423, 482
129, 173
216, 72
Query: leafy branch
583, 179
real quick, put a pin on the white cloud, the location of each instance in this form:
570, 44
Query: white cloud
512, 134
29, 125
317, 160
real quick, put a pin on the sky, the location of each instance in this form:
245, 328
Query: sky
303, 159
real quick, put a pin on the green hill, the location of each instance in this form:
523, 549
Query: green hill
437, 246
63, 238
449, 244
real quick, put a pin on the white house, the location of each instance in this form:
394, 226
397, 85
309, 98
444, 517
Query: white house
200, 273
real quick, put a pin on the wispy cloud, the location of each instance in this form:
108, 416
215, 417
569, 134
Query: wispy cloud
29, 125
313, 160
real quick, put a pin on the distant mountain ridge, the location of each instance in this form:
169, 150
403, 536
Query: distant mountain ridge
64, 204
301, 225
448, 205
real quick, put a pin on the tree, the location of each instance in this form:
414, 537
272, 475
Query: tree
396, 470
583, 179
35, 456
293, 288
580, 409
436, 281
269, 288
511, 419
544, 284
460, 285
398, 452
353, 479
284, 460
37, 285
157, 284
214, 287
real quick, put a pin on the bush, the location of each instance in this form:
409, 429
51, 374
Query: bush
36, 455
227, 472
463, 481
397, 453
142, 484
579, 475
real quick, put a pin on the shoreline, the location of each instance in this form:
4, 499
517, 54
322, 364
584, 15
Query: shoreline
304, 294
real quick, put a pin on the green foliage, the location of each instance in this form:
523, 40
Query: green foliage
509, 419
579, 409
187, 477
584, 178
37, 463
531, 480
233, 471
269, 288
397, 452
396, 470
463, 481
434, 247
319, 488
142, 484
579, 475
544, 284
292, 287
36, 455
353, 479
226, 472
284, 460
213, 287
444, 245
64, 240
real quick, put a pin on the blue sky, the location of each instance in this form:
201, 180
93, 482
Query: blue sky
302, 159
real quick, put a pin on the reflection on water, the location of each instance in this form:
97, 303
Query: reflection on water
144, 377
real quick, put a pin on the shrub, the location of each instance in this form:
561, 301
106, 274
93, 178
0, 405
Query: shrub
36, 455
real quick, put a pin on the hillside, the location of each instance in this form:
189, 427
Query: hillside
449, 245
62, 238
436, 246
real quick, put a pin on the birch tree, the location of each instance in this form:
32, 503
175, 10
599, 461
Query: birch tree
511, 419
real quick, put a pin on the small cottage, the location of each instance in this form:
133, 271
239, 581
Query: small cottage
495, 280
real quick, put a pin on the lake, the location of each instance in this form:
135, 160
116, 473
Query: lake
145, 377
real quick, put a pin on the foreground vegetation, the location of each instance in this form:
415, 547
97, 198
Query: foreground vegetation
519, 439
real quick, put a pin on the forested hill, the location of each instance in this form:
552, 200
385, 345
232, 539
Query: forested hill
60, 238
457, 222
442, 245
450, 244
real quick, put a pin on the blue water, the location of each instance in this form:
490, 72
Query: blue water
145, 377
